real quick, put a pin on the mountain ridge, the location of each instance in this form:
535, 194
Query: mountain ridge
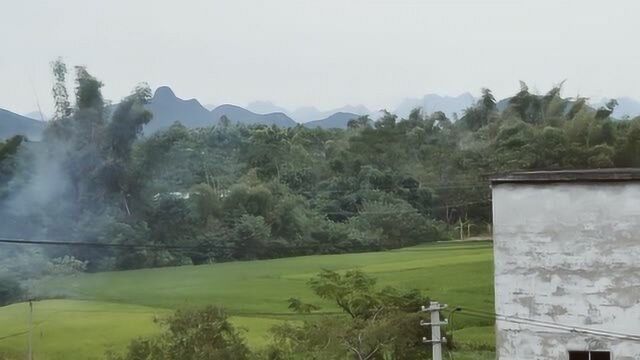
168, 108
430, 103
12, 124
338, 120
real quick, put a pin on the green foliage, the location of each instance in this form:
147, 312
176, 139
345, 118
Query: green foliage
482, 114
251, 200
8, 162
59, 91
628, 147
191, 334
394, 224
207, 201
252, 234
354, 293
231, 191
80, 179
297, 306
10, 146
382, 324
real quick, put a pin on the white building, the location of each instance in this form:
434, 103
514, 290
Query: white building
567, 265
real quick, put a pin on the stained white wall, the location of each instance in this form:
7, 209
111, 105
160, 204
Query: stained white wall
567, 253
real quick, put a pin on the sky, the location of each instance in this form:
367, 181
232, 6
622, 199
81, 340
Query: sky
323, 53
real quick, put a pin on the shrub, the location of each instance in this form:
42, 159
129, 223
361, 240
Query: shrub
191, 334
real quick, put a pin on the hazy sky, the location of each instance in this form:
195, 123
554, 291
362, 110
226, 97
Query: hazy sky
325, 53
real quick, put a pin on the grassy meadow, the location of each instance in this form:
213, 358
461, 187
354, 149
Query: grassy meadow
94, 313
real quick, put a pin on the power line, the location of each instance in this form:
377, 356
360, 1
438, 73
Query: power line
364, 212
636, 336
558, 326
451, 186
548, 324
107, 245
350, 247
372, 247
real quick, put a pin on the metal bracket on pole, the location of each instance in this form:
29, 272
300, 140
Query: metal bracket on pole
434, 307
424, 323
441, 341
436, 339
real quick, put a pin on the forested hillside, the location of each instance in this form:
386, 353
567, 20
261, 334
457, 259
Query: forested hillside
232, 191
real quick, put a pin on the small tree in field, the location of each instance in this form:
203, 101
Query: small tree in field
204, 334
381, 324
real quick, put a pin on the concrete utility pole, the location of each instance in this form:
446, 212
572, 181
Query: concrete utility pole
30, 353
436, 338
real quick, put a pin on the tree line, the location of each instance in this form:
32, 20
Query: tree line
236, 192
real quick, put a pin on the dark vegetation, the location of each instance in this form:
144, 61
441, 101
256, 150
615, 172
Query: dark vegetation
10, 291
236, 192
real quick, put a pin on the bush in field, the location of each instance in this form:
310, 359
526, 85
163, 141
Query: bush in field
191, 334
377, 324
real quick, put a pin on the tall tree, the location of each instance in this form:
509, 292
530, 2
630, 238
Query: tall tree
60, 94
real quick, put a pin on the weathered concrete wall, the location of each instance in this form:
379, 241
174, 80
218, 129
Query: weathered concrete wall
567, 253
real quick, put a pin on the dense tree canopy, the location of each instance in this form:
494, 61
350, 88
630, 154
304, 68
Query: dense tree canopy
231, 192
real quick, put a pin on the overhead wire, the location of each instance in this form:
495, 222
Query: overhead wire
13, 241
458, 204
75, 243
548, 324
449, 186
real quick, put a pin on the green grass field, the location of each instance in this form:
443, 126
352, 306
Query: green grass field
104, 311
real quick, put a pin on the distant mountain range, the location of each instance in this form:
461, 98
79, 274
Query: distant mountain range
432, 103
338, 120
311, 114
266, 107
339, 117
13, 124
167, 108
36, 115
306, 114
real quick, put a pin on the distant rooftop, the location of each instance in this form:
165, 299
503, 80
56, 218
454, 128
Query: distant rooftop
593, 175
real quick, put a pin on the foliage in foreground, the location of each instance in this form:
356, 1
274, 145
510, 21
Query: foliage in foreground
191, 335
375, 324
